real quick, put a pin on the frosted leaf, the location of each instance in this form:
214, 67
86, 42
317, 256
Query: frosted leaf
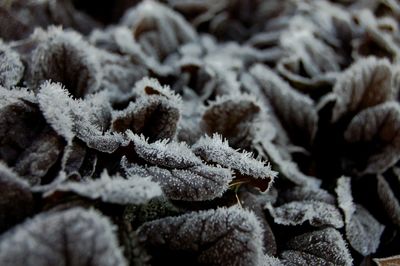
246, 168
389, 261
38, 158
195, 183
115, 189
154, 114
59, 57
271, 261
317, 213
234, 117
294, 110
84, 119
291, 69
158, 29
323, 247
223, 236
364, 84
16, 200
11, 67
362, 230
389, 200
307, 193
164, 154
56, 108
375, 139
73, 237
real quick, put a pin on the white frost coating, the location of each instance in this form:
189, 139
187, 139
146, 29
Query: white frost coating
215, 236
216, 150
73, 237
115, 189
151, 86
315, 212
80, 118
345, 199
164, 153
56, 104
195, 183
362, 230
11, 67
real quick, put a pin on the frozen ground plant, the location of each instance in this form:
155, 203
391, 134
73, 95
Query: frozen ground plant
199, 132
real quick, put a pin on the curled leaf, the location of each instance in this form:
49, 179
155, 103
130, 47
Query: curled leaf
362, 230
295, 111
215, 237
375, 139
158, 29
59, 57
154, 114
82, 119
234, 117
75, 237
365, 84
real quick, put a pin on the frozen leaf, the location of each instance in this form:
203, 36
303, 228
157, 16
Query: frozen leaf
154, 114
365, 84
362, 230
195, 183
181, 174
389, 200
115, 189
323, 247
317, 213
158, 29
389, 261
16, 200
223, 236
374, 138
164, 154
294, 110
84, 119
72, 237
246, 168
234, 117
59, 57
11, 67
56, 107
